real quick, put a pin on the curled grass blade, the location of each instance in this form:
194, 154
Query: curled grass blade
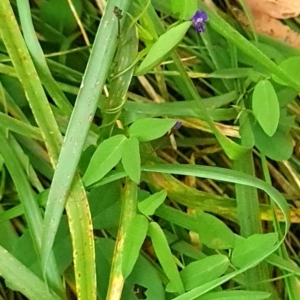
228, 175
234, 177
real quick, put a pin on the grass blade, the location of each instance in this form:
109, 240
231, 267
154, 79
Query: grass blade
39, 59
23, 279
31, 209
82, 116
128, 211
29, 79
229, 176
81, 229
165, 257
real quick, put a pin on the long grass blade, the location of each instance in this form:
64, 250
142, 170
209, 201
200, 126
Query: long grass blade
228, 175
29, 79
39, 59
82, 116
30, 206
23, 279
128, 211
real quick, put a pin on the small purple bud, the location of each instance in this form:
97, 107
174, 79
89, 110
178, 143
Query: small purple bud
177, 125
199, 19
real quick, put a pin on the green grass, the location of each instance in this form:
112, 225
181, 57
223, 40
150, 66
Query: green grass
103, 196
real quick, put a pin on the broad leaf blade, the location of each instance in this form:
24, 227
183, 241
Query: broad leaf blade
250, 249
291, 67
150, 204
165, 256
149, 129
131, 159
107, 155
135, 237
163, 46
204, 270
278, 147
214, 233
266, 106
185, 8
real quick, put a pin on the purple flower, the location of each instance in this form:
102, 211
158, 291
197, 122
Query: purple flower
199, 19
177, 125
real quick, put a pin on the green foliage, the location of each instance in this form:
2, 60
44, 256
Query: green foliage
289, 65
149, 205
214, 233
105, 210
107, 155
162, 47
235, 295
143, 274
248, 250
185, 9
58, 15
131, 159
266, 107
278, 147
149, 129
203, 271
165, 257
134, 239
118, 147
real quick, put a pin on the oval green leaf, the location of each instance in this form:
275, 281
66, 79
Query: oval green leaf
149, 129
278, 147
150, 204
265, 106
131, 159
106, 156
135, 236
214, 233
162, 47
249, 250
204, 270
165, 256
